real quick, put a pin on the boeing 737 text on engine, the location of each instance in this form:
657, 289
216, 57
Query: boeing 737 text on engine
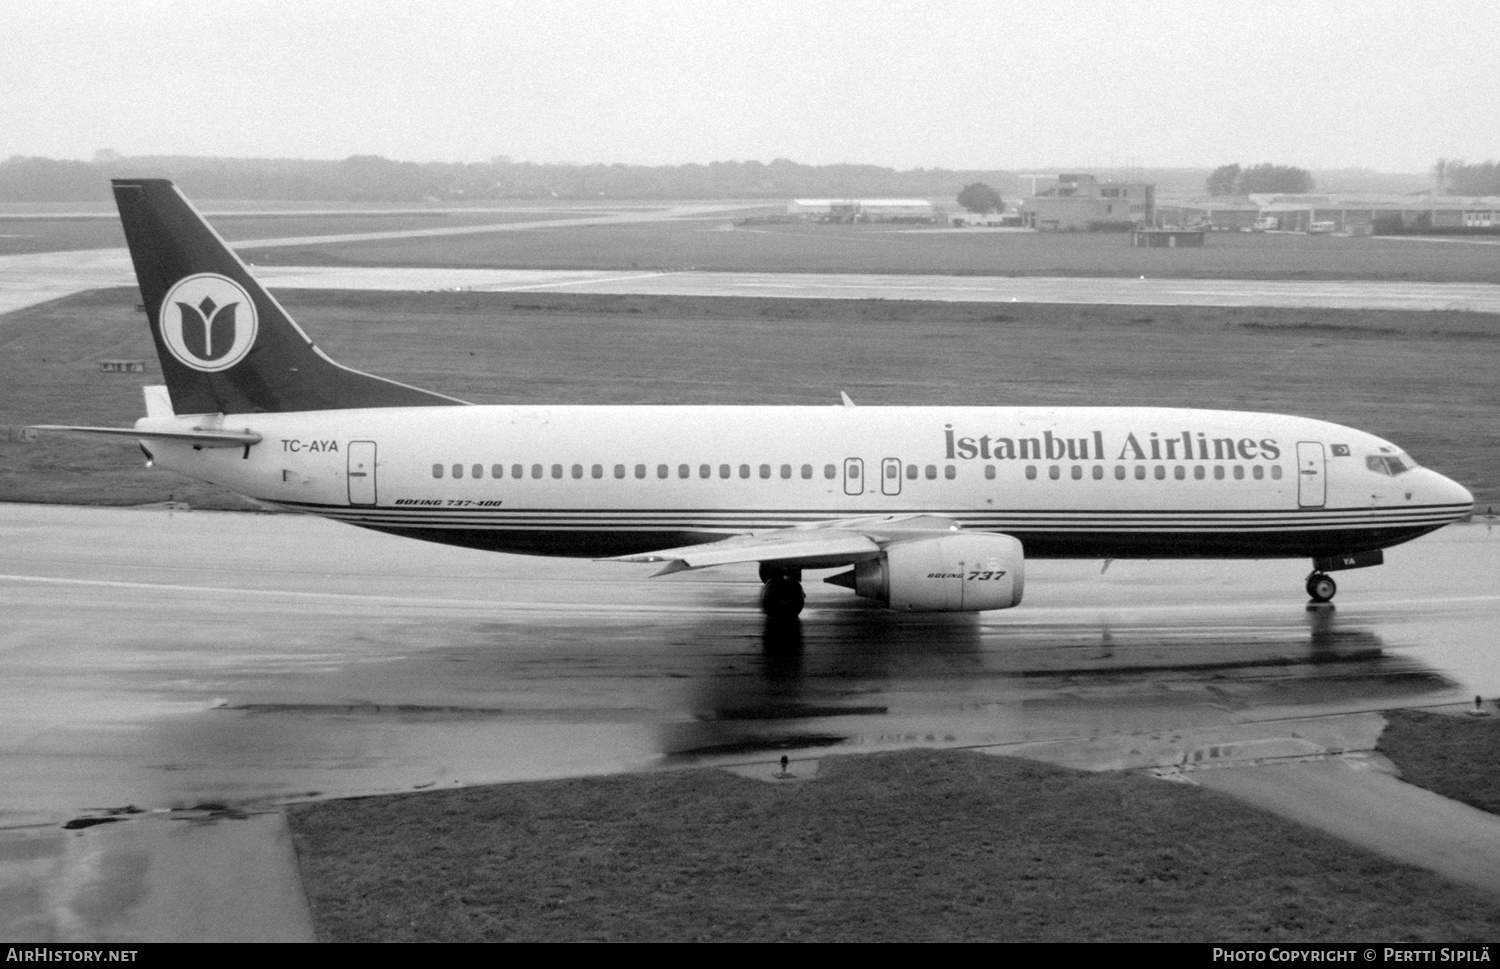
926, 508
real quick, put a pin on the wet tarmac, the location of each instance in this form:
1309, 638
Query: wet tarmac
164, 659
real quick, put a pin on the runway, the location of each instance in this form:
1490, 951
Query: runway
162, 658
30, 279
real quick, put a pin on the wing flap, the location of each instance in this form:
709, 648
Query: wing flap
808, 551
818, 545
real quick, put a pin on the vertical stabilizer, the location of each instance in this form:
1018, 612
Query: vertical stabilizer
226, 346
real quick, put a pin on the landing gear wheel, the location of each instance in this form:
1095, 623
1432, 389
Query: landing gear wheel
1320, 587
782, 598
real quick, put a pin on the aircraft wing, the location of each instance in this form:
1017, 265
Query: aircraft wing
818, 545
195, 436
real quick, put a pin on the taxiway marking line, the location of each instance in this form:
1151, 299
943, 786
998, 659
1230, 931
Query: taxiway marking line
578, 282
354, 597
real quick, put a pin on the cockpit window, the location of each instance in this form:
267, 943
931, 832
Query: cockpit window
1389, 464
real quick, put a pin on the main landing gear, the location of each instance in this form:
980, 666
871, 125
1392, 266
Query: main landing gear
1321, 587
781, 597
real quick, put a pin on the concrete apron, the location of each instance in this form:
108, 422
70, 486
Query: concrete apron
181, 877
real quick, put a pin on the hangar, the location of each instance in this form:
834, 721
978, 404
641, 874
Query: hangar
1331, 212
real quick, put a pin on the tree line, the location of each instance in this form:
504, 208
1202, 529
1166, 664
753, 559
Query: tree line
1460, 178
373, 178
1265, 177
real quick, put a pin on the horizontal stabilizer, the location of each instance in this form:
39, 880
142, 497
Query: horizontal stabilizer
195, 437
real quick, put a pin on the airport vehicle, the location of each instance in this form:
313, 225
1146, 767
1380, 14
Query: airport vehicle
925, 508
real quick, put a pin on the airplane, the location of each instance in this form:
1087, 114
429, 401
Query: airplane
926, 508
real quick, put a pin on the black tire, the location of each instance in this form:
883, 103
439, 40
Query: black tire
782, 598
1320, 587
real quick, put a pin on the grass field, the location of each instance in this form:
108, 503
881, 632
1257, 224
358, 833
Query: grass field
709, 244
1426, 380
1453, 756
914, 846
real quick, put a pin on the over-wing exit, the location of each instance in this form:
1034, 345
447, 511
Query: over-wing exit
924, 508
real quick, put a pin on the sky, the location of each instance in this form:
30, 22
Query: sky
1320, 84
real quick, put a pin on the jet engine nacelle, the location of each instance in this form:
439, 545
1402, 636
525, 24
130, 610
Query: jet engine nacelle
951, 573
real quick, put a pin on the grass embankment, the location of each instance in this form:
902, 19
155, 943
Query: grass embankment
919, 845
704, 244
1426, 380
1457, 757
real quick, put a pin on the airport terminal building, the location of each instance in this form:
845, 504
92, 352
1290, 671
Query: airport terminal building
1067, 203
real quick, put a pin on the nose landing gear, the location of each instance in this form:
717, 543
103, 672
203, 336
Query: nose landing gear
1321, 587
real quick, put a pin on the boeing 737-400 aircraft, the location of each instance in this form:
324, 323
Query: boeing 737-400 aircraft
927, 508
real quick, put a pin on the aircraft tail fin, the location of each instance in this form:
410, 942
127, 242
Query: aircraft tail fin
226, 346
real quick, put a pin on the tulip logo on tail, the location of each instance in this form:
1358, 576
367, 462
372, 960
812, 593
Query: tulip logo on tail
208, 322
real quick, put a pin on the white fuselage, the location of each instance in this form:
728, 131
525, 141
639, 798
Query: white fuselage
612, 480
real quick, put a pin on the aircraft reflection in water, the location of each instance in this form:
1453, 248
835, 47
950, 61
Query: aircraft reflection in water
860, 681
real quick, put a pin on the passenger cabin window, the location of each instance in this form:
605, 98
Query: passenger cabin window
518, 471
989, 472
723, 470
950, 472
1030, 472
1258, 471
619, 471
497, 471
640, 471
458, 471
536, 470
437, 470
765, 471
830, 471
662, 470
807, 472
477, 471
786, 472
744, 471
577, 471
597, 471
557, 471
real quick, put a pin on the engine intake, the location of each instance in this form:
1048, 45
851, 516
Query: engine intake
950, 573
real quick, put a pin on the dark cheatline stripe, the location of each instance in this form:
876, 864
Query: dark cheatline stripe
1082, 534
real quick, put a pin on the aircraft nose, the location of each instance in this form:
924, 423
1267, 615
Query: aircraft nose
1446, 491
